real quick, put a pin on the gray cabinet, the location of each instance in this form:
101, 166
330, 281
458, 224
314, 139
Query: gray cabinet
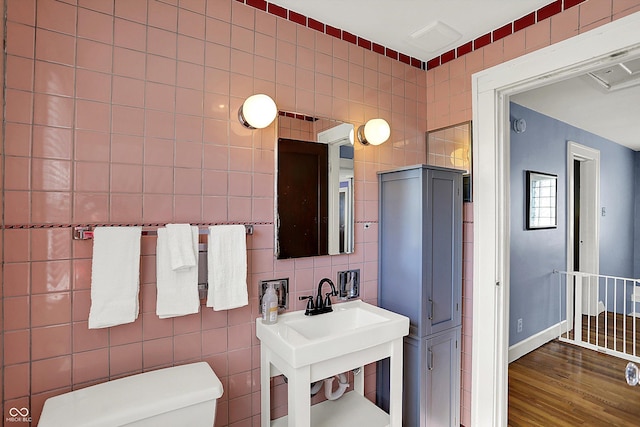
420, 276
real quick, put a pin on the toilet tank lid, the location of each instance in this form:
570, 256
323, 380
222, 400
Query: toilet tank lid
137, 397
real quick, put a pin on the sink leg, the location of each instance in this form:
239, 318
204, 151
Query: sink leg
265, 388
358, 382
299, 398
395, 384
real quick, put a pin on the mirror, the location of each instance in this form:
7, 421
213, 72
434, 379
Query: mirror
314, 186
450, 147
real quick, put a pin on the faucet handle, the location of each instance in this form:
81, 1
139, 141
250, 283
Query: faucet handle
310, 307
327, 302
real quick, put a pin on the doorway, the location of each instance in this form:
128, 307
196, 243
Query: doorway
583, 221
491, 90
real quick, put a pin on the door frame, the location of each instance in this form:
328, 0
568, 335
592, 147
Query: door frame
589, 215
491, 90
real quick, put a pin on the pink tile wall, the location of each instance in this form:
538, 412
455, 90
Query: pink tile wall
124, 112
449, 102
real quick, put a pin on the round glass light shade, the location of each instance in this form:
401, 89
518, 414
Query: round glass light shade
374, 132
257, 111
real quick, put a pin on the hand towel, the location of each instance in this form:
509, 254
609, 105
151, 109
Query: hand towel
180, 244
227, 263
115, 276
177, 290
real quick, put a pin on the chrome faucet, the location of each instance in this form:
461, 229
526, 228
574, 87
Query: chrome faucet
321, 306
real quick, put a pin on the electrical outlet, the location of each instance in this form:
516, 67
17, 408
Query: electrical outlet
519, 325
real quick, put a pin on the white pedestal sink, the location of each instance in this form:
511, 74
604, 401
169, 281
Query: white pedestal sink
311, 348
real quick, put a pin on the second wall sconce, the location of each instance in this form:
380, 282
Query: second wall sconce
374, 132
257, 111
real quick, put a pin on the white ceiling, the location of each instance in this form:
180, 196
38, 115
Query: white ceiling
425, 29
581, 102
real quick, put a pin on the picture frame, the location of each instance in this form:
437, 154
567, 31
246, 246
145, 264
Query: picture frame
541, 200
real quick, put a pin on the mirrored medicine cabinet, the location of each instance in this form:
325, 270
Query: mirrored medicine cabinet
314, 186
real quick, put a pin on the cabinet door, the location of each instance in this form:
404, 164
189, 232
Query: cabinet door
442, 398
400, 245
443, 273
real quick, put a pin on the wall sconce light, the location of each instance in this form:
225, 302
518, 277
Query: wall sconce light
374, 132
257, 111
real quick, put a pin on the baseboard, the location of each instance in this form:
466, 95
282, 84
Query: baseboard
516, 351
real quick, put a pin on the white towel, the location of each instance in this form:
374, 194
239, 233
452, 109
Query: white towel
115, 276
227, 263
180, 244
177, 289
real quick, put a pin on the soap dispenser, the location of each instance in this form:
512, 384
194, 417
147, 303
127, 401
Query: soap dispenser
270, 305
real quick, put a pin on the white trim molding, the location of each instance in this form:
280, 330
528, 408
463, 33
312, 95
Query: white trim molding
491, 90
527, 345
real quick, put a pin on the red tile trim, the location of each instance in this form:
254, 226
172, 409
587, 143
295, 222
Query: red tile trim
415, 62
280, 11
524, 22
333, 31
377, 48
482, 41
364, 43
549, 10
464, 49
315, 25
298, 116
297, 18
392, 54
448, 56
433, 63
258, 4
348, 37
404, 58
502, 32
571, 3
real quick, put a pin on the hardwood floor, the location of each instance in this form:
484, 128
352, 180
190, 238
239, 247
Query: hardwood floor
562, 385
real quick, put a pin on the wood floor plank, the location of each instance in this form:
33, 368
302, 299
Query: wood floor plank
563, 385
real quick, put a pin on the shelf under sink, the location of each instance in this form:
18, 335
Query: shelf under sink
352, 409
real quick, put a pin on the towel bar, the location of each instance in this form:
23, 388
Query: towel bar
86, 232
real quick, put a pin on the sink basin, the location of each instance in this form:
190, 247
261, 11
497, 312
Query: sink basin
352, 326
342, 319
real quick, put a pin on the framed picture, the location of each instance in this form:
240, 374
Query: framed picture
542, 200
451, 147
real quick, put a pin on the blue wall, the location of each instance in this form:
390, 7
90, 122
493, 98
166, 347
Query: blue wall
535, 295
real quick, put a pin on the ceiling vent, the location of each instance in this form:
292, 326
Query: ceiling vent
618, 76
434, 37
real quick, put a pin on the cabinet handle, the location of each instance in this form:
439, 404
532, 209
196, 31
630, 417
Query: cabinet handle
430, 361
431, 309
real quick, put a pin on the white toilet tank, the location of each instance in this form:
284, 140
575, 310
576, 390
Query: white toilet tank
179, 396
